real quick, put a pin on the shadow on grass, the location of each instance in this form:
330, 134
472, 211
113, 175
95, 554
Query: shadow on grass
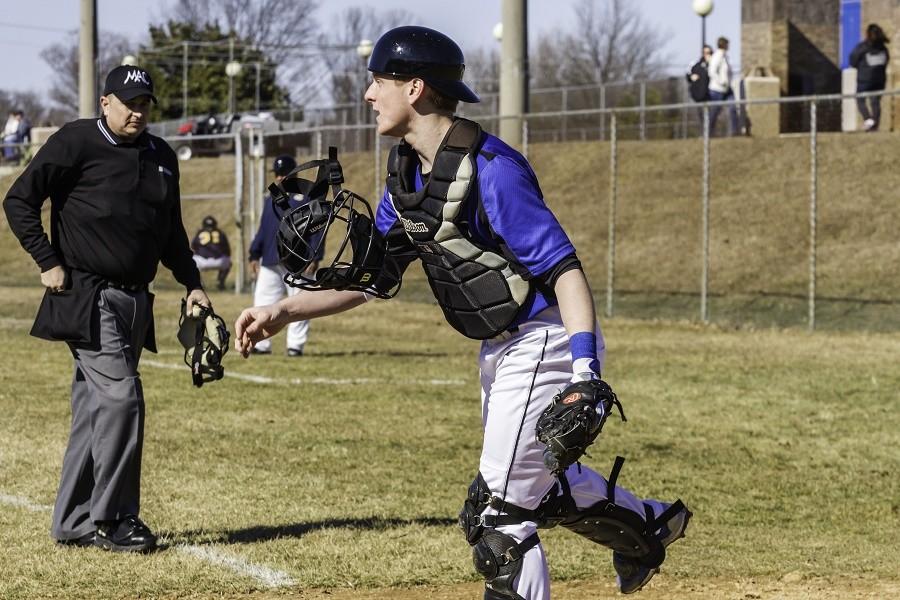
265, 533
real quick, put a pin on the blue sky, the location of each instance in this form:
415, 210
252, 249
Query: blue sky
35, 24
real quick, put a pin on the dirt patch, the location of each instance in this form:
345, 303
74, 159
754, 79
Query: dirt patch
790, 587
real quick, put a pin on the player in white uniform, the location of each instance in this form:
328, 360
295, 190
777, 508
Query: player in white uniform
503, 270
270, 285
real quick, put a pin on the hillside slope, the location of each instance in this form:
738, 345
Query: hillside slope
759, 224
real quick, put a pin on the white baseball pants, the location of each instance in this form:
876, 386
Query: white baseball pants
270, 288
519, 376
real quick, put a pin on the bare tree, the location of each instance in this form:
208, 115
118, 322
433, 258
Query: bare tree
284, 30
610, 42
483, 70
62, 57
279, 27
346, 68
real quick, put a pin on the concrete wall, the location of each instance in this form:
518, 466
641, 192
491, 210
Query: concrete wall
796, 41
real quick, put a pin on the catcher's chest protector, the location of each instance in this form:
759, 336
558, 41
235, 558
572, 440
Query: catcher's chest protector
476, 288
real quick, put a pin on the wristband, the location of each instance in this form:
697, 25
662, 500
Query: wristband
583, 346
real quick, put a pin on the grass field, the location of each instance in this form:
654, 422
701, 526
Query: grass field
340, 476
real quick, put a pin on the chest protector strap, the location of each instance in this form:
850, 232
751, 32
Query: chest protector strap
475, 286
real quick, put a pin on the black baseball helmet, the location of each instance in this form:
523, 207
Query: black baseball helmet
209, 222
413, 51
284, 164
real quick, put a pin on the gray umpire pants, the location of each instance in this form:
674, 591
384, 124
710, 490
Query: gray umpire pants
101, 473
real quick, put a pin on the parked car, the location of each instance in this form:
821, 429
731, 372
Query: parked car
213, 125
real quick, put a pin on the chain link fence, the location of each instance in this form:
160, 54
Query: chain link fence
790, 229
783, 230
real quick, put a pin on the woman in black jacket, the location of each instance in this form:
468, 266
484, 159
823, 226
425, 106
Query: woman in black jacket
870, 59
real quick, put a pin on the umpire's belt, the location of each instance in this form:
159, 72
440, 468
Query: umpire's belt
127, 287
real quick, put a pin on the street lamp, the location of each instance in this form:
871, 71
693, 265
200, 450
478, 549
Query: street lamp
232, 69
497, 31
363, 51
703, 8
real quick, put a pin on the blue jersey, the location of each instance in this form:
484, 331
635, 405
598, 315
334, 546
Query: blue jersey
514, 207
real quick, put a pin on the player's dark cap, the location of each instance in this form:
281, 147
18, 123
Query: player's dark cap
128, 82
284, 164
412, 51
209, 222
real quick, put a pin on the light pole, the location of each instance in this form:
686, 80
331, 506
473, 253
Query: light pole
232, 69
363, 51
703, 8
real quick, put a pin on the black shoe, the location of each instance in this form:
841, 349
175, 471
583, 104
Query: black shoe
255, 350
79, 542
125, 535
295, 351
221, 286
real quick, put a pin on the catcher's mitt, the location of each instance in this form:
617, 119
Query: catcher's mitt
205, 339
573, 421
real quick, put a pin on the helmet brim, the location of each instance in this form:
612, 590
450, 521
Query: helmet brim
457, 90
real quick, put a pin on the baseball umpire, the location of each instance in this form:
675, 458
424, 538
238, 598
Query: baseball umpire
502, 269
115, 214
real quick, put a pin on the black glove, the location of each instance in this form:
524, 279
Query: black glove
573, 421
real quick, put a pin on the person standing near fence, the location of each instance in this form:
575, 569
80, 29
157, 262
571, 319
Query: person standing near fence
698, 76
720, 86
11, 137
115, 214
269, 274
870, 59
698, 79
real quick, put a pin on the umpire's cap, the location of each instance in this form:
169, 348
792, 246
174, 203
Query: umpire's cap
128, 82
283, 164
412, 51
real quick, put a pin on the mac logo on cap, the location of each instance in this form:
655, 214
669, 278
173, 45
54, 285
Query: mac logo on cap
137, 75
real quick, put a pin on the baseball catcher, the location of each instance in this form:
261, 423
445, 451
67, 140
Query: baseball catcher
468, 208
205, 339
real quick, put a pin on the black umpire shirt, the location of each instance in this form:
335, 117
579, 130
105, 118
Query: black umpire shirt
115, 207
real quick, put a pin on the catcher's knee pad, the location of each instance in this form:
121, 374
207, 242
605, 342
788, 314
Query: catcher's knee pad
474, 522
498, 557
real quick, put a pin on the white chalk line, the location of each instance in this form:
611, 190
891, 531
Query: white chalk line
309, 380
271, 578
25, 503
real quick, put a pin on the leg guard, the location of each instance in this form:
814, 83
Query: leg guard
498, 557
618, 528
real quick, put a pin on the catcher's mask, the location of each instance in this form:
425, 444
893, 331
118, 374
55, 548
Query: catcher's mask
205, 339
360, 261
